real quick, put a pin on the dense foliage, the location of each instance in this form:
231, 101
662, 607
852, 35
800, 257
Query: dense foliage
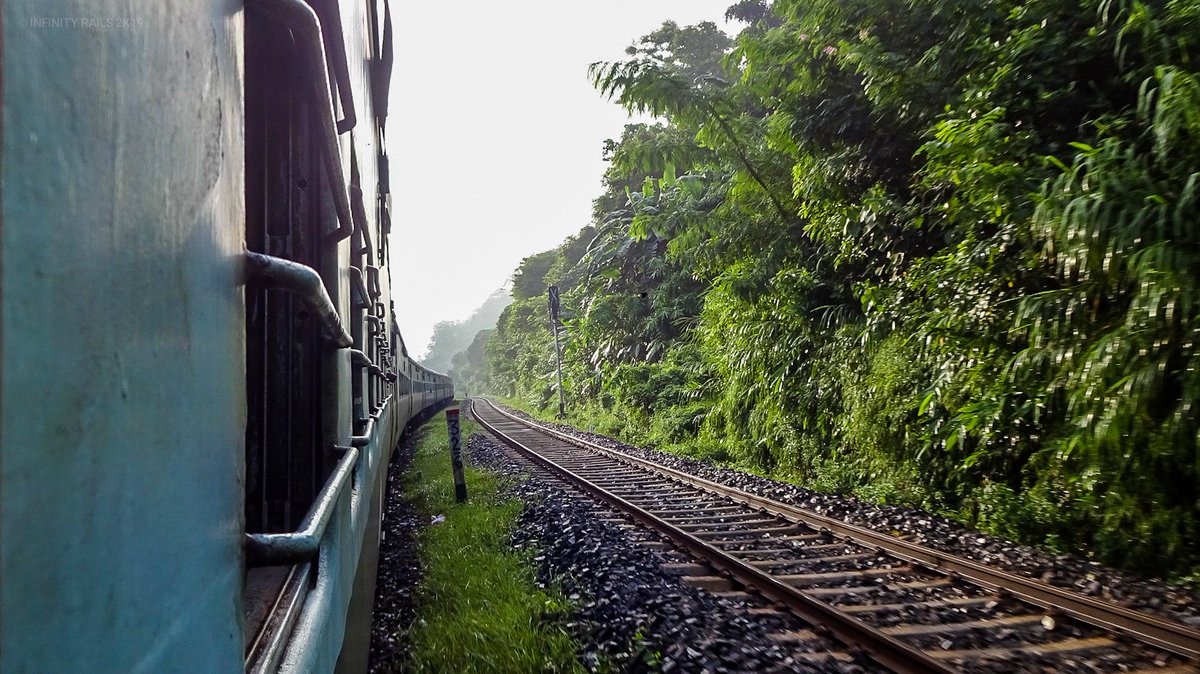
931, 252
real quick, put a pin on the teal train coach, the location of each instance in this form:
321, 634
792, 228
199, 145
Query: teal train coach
201, 375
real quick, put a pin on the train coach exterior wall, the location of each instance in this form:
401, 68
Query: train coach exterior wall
121, 337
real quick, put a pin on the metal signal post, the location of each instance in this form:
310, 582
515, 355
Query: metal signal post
553, 292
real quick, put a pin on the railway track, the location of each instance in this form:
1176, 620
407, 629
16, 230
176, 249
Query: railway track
863, 595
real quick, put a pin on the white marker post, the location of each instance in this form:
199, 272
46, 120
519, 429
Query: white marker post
460, 482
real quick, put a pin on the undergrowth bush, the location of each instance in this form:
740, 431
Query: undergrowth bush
931, 253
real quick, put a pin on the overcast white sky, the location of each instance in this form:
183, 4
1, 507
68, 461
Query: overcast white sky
495, 134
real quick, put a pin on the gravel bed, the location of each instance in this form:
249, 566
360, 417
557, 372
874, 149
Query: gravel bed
399, 569
942, 615
885, 594
935, 531
980, 638
627, 613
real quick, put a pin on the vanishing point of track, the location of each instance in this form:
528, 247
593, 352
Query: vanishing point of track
891, 600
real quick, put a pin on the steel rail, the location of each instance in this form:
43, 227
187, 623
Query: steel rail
300, 545
1171, 636
855, 634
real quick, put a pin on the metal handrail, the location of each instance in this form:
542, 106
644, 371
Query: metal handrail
299, 546
303, 281
306, 27
373, 279
360, 287
363, 360
364, 439
359, 210
341, 69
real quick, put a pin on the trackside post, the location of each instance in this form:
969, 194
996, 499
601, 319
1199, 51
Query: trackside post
460, 482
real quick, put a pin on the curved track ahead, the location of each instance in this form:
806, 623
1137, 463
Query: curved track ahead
907, 607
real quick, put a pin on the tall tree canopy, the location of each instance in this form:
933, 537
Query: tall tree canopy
931, 252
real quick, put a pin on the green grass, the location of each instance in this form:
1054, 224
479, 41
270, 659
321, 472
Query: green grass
478, 609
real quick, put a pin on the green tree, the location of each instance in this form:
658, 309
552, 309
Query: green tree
928, 252
451, 337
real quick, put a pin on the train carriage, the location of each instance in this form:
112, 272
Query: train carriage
201, 374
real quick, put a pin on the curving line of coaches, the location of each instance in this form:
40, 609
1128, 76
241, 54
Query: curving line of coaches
201, 377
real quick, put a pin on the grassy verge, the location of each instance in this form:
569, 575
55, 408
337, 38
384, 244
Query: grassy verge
477, 606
